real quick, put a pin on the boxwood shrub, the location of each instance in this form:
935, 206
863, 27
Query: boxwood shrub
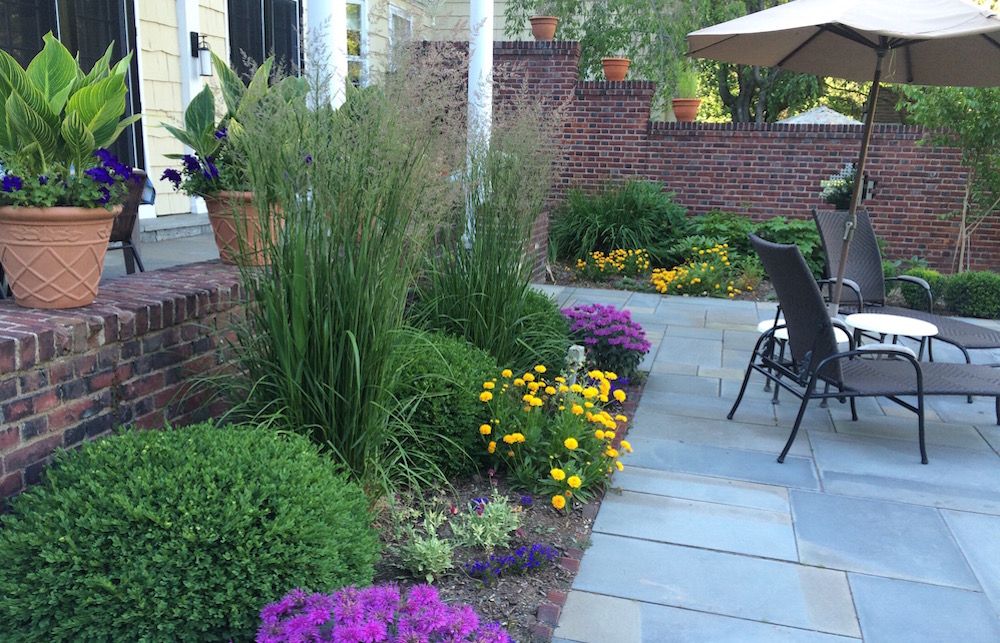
440, 382
177, 535
915, 296
974, 294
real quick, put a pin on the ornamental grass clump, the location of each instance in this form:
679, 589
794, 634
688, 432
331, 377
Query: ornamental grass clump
612, 340
556, 439
380, 613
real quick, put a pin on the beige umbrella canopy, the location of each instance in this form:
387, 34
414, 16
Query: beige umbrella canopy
925, 42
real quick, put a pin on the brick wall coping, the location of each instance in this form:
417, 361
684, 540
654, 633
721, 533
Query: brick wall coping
537, 47
894, 128
126, 307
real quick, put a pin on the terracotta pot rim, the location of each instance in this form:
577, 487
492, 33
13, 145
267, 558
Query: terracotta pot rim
616, 59
226, 195
27, 215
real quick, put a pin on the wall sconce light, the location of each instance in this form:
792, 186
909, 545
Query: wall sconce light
201, 51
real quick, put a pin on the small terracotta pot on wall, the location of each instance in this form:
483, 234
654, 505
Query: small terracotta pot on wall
235, 221
54, 257
615, 68
543, 27
686, 109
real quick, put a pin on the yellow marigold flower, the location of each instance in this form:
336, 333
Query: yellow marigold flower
590, 392
570, 443
577, 409
519, 382
518, 437
527, 397
574, 482
539, 369
489, 386
568, 493
576, 388
551, 390
611, 376
610, 435
534, 386
589, 405
611, 452
561, 380
621, 467
492, 447
599, 434
603, 398
596, 375
508, 439
536, 401
485, 429
621, 418
562, 408
528, 377
563, 388
610, 424
506, 372
485, 396
619, 395
510, 454
558, 475
558, 502
626, 446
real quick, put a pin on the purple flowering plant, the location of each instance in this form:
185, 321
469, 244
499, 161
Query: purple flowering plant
520, 561
373, 615
612, 340
103, 184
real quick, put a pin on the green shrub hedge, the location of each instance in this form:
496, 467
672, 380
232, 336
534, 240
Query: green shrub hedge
974, 294
915, 296
440, 383
178, 535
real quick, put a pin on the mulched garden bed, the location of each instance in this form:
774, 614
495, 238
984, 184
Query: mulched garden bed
527, 605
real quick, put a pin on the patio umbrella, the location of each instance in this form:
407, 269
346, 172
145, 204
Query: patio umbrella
924, 42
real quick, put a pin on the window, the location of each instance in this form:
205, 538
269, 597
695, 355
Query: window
86, 27
356, 72
260, 28
400, 31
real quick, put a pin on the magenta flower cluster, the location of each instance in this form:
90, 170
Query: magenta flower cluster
373, 615
612, 340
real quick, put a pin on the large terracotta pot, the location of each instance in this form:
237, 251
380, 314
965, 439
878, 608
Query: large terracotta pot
53, 257
615, 68
543, 27
236, 225
686, 109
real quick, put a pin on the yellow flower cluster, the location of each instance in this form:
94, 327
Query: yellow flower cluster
616, 263
705, 273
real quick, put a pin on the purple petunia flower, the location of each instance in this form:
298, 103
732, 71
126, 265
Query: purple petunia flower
43, 180
222, 133
173, 176
191, 164
12, 183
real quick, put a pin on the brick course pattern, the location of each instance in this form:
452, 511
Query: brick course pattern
763, 171
127, 360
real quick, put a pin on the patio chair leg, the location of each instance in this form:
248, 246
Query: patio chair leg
824, 403
743, 389
920, 429
996, 402
795, 429
854, 411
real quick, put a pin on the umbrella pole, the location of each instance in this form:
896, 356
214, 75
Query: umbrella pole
852, 216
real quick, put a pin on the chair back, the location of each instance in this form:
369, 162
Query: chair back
864, 260
811, 337
125, 221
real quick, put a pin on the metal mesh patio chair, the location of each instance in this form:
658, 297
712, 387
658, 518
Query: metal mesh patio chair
123, 230
812, 359
867, 284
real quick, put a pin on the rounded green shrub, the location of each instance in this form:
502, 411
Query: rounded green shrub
544, 334
974, 294
440, 382
178, 535
914, 295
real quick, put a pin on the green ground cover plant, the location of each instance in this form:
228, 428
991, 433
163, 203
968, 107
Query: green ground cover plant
178, 535
974, 294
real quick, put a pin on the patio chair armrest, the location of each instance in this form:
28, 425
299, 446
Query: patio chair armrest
840, 324
848, 283
886, 348
889, 350
919, 282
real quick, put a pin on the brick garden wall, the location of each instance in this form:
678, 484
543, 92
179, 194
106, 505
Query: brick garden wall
760, 170
68, 376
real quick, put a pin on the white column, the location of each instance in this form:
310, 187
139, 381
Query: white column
327, 35
480, 71
191, 83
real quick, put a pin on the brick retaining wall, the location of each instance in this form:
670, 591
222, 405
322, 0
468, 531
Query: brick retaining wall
68, 376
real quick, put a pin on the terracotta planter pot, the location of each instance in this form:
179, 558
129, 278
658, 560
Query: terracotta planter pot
236, 226
686, 109
615, 68
53, 257
543, 27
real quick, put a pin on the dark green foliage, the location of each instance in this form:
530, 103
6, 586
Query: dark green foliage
974, 294
728, 227
178, 535
439, 383
545, 332
890, 268
632, 216
916, 296
801, 232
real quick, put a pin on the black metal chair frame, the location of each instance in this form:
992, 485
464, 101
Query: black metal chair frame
124, 230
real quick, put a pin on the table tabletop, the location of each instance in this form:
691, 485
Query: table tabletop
885, 324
